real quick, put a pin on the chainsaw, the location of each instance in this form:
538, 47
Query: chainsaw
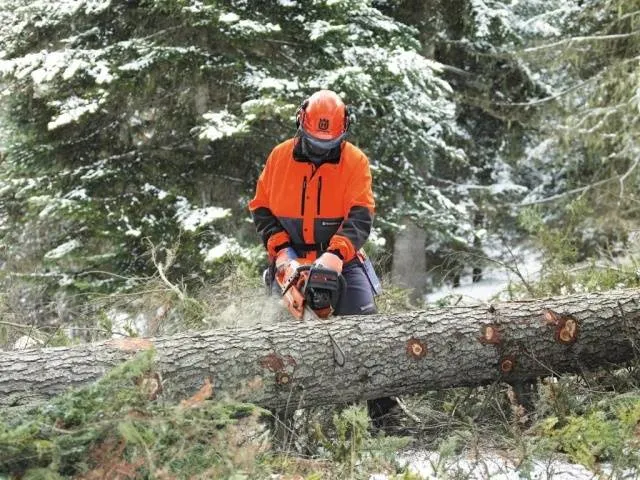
312, 292
309, 291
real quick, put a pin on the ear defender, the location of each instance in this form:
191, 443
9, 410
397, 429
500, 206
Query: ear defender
348, 112
300, 113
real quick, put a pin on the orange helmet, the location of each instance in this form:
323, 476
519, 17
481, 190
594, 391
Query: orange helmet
323, 118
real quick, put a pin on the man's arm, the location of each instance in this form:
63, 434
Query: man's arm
360, 204
274, 237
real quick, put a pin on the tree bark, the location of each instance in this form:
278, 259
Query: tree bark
291, 364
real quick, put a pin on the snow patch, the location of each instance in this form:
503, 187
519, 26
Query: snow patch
221, 124
62, 250
191, 219
228, 17
320, 28
124, 324
26, 342
430, 465
71, 110
228, 246
505, 266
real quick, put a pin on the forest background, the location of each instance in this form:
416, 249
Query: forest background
132, 134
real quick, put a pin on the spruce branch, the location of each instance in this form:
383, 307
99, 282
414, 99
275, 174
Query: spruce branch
591, 38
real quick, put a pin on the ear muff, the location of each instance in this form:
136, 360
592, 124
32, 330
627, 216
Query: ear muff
347, 117
300, 113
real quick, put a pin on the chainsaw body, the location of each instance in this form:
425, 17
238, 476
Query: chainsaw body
307, 287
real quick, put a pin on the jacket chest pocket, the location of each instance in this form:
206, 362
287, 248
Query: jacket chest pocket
325, 228
328, 196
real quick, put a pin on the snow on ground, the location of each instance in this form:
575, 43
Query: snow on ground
494, 466
429, 465
505, 265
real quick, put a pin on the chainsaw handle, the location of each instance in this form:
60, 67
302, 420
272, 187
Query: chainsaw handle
295, 276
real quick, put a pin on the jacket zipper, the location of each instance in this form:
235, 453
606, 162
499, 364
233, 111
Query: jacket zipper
319, 190
304, 193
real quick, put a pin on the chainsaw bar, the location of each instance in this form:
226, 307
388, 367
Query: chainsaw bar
338, 354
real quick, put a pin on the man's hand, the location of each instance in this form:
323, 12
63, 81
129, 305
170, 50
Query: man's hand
284, 257
330, 261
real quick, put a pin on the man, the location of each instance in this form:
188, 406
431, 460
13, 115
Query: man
314, 203
314, 200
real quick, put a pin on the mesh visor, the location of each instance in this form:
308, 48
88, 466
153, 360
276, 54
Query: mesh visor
319, 146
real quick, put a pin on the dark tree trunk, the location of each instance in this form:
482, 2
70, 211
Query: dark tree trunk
409, 261
292, 363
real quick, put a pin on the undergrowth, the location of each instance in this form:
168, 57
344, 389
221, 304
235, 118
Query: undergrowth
112, 429
117, 429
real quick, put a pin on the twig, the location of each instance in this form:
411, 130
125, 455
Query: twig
161, 269
569, 41
567, 90
57, 327
16, 325
583, 189
550, 97
626, 174
406, 410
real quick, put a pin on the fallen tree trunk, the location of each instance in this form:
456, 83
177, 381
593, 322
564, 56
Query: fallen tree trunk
298, 364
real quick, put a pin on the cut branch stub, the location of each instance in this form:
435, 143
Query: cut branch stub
490, 335
566, 326
129, 344
568, 333
283, 378
416, 349
282, 366
507, 364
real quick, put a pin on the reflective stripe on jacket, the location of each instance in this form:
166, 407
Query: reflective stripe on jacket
314, 208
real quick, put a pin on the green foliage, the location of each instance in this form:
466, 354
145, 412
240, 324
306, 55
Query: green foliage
606, 433
394, 299
150, 121
559, 243
350, 446
352, 431
572, 260
113, 424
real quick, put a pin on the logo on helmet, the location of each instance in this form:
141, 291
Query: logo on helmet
323, 124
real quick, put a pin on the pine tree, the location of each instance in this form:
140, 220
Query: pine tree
145, 123
589, 157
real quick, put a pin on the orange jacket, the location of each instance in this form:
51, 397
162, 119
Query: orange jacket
314, 208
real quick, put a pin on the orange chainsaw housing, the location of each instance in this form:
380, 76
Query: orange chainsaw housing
304, 285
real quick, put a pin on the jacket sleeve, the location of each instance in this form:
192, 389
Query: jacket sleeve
359, 207
274, 237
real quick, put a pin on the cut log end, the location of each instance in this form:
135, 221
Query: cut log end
566, 326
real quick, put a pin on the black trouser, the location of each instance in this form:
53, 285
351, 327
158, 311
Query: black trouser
357, 298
